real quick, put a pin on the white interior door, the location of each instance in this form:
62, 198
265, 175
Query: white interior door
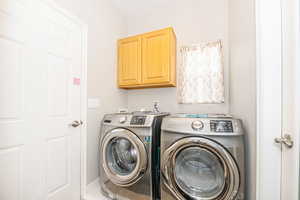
278, 99
290, 99
40, 92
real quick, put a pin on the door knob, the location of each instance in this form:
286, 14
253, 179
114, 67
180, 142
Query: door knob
286, 140
76, 123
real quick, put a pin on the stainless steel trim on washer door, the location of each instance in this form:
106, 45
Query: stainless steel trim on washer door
124, 157
201, 169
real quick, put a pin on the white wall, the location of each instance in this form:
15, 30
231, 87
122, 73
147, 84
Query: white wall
243, 78
105, 26
194, 21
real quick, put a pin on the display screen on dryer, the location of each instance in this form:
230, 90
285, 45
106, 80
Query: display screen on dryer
221, 126
138, 120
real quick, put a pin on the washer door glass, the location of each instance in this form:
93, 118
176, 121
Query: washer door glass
121, 156
199, 173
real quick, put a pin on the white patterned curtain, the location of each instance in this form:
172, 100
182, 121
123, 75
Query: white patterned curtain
201, 74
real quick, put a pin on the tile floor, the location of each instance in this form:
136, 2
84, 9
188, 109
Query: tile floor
93, 191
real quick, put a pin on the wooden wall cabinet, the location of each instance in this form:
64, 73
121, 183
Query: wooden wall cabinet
147, 60
129, 61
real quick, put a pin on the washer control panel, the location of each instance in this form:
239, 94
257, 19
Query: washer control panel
221, 126
138, 120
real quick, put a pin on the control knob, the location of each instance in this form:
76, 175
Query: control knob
197, 125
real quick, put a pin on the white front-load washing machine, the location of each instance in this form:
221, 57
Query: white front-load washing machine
129, 156
202, 158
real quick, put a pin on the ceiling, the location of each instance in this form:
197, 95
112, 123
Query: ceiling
139, 7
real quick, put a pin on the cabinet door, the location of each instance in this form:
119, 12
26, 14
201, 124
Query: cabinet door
156, 57
129, 61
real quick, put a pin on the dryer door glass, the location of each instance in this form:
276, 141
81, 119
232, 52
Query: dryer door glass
121, 156
199, 173
124, 157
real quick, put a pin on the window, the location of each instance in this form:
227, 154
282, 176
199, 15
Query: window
201, 75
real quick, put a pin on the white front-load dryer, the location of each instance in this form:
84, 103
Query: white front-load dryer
202, 158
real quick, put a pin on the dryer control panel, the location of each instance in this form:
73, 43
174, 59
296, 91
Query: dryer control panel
218, 126
138, 120
224, 126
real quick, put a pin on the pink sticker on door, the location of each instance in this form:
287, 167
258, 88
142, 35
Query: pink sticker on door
76, 81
